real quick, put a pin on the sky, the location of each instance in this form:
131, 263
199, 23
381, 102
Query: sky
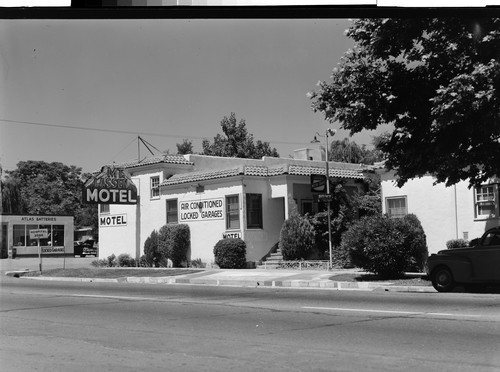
81, 91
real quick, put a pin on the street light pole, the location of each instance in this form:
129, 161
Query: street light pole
327, 133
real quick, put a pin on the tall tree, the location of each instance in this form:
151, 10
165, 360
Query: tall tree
186, 147
236, 142
436, 81
54, 188
347, 151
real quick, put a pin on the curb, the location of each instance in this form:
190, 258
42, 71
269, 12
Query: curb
299, 284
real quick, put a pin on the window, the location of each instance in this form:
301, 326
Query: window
396, 207
155, 187
492, 238
46, 241
19, 235
104, 208
486, 201
254, 211
172, 215
307, 206
58, 235
232, 212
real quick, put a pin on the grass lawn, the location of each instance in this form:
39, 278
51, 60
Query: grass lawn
111, 273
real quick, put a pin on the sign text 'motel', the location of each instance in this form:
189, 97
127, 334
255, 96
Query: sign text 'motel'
111, 186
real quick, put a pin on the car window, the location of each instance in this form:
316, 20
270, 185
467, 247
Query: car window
492, 238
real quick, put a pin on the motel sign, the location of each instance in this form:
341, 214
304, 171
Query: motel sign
110, 186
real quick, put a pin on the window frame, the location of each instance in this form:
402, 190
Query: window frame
104, 209
388, 209
494, 200
154, 190
170, 212
232, 212
251, 212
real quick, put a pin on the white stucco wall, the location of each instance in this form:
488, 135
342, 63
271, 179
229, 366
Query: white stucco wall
121, 238
205, 234
445, 212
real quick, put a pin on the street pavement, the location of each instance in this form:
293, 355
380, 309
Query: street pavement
267, 278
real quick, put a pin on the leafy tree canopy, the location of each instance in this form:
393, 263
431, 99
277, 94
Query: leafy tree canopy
236, 142
350, 152
39, 187
436, 81
186, 147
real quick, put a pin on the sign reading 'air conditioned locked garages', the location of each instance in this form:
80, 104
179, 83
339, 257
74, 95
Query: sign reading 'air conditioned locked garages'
111, 186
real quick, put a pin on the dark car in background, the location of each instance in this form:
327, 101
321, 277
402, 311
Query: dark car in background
85, 248
474, 266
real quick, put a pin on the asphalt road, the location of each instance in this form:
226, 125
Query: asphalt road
68, 326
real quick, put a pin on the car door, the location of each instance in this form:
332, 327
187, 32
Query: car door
485, 257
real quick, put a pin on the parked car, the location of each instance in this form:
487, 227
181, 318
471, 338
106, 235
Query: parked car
469, 266
85, 248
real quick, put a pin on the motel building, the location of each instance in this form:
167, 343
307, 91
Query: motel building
446, 213
217, 198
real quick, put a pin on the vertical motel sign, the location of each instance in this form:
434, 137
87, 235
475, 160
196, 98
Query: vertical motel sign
111, 186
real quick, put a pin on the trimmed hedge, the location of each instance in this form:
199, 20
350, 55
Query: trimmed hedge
230, 253
386, 246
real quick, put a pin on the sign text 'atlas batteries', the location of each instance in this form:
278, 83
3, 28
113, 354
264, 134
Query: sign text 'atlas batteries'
111, 186
201, 210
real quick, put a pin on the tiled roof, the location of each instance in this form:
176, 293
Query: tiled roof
163, 158
251, 170
333, 172
200, 176
258, 171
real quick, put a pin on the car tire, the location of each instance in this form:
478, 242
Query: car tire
442, 279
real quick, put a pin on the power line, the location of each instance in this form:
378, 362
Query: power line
96, 129
130, 132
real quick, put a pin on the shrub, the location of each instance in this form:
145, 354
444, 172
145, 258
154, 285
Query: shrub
151, 249
385, 246
296, 237
112, 261
198, 263
230, 253
456, 243
174, 243
125, 260
143, 261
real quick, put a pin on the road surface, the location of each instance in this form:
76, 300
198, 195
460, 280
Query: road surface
68, 326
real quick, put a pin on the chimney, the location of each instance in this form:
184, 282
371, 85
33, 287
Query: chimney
316, 154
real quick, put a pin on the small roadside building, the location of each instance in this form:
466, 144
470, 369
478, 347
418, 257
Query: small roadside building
217, 198
446, 213
17, 241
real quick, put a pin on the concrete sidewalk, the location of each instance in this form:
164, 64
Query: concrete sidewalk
271, 278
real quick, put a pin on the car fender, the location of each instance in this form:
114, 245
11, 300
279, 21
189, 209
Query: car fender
460, 267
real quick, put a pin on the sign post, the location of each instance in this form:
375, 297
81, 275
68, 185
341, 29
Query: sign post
39, 234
